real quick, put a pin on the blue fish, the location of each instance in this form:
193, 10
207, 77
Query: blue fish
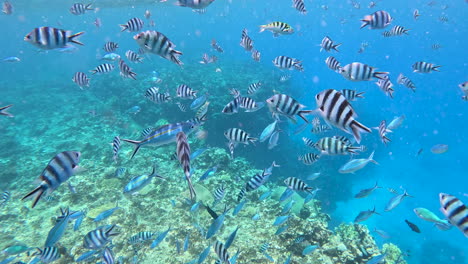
197, 153
268, 257
139, 182
286, 194
288, 260
195, 207
376, 259
287, 207
78, 221
215, 226
11, 59
265, 195
309, 249
238, 208
105, 214
280, 220
311, 195
233, 259
193, 261
120, 172
256, 217
133, 110
199, 101
162, 135
231, 238
87, 256
281, 229
177, 244
160, 238
173, 203
58, 230
186, 242
208, 173
204, 254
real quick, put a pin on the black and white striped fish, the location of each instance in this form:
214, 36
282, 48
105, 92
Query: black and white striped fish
5, 198
183, 154
396, 31
216, 46
80, 9
443, 18
282, 104
249, 104
116, 147
221, 251
253, 87
256, 55
99, 237
219, 193
185, 92
386, 86
347, 141
51, 38
455, 211
47, 254
297, 185
357, 71
383, 132
320, 129
264, 247
203, 109
198, 120
308, 142
140, 237
133, 57
81, 79
309, 158
199, 11
328, 44
335, 146
238, 135
103, 68
406, 82
377, 20
337, 111
425, 67
155, 96
108, 256
256, 181
284, 62
134, 24
206, 59
241, 194
60, 169
232, 107
182, 107
436, 46
110, 46
299, 5
333, 63
231, 146
195, 4
157, 43
352, 95
126, 71
246, 42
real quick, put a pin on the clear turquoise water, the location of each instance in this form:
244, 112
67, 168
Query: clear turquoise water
53, 115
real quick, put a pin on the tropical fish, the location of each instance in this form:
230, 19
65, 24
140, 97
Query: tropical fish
51, 38
155, 96
231, 238
140, 237
47, 254
358, 71
60, 169
157, 43
366, 192
7, 8
133, 57
11, 59
377, 259
282, 104
195, 4
99, 237
328, 44
215, 225
381, 233
246, 42
439, 148
334, 146
5, 198
395, 201
364, 215
108, 256
277, 28
287, 207
357, 164
299, 6
309, 249
286, 194
111, 56
81, 79
80, 9
464, 88
59, 229
185, 92
160, 238
204, 254
396, 123
309, 158
133, 25
273, 142
425, 67
238, 207
111, 47
237, 135
126, 71
413, 227
221, 251
105, 214
103, 68
351, 95
281, 220
183, 154
427, 215
186, 242
284, 62
333, 63
377, 20
256, 55
386, 86
455, 211
216, 46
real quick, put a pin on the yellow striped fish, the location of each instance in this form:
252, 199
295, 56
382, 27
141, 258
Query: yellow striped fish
277, 28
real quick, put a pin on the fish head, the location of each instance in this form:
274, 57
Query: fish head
74, 156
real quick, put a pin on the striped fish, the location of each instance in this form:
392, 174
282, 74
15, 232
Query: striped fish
256, 181
383, 131
352, 95
157, 43
99, 237
246, 42
133, 57
425, 67
357, 71
333, 63
60, 168
206, 59
103, 68
241, 194
232, 107
110, 46
197, 121
396, 31
297, 185
80, 9
284, 62
116, 147
249, 104
195, 4
253, 87
328, 44
299, 6
140, 237
335, 146
126, 71
182, 107
281, 104
47, 254
406, 82
5, 198
334, 108
203, 109
221, 251
386, 86
51, 38
377, 20
277, 28
155, 96
216, 46
199, 11
108, 256
455, 211
309, 158
183, 154
308, 142
81, 79
237, 135
256, 55
185, 92
320, 129
231, 146
219, 193
134, 24
162, 135
436, 46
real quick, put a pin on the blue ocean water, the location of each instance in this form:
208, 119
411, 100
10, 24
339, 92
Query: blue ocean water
53, 115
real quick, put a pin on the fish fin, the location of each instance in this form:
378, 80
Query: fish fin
252, 140
88, 7
193, 194
357, 128
381, 75
73, 40
5, 113
436, 68
365, 21
335, 47
137, 147
262, 28
305, 112
124, 27
39, 191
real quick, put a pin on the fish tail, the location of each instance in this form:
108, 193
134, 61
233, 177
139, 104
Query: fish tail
262, 28
193, 194
4, 112
335, 47
385, 140
360, 95
93, 71
309, 189
357, 128
436, 68
73, 40
381, 75
252, 140
305, 112
38, 192
365, 21
137, 147
88, 7
123, 27
371, 159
